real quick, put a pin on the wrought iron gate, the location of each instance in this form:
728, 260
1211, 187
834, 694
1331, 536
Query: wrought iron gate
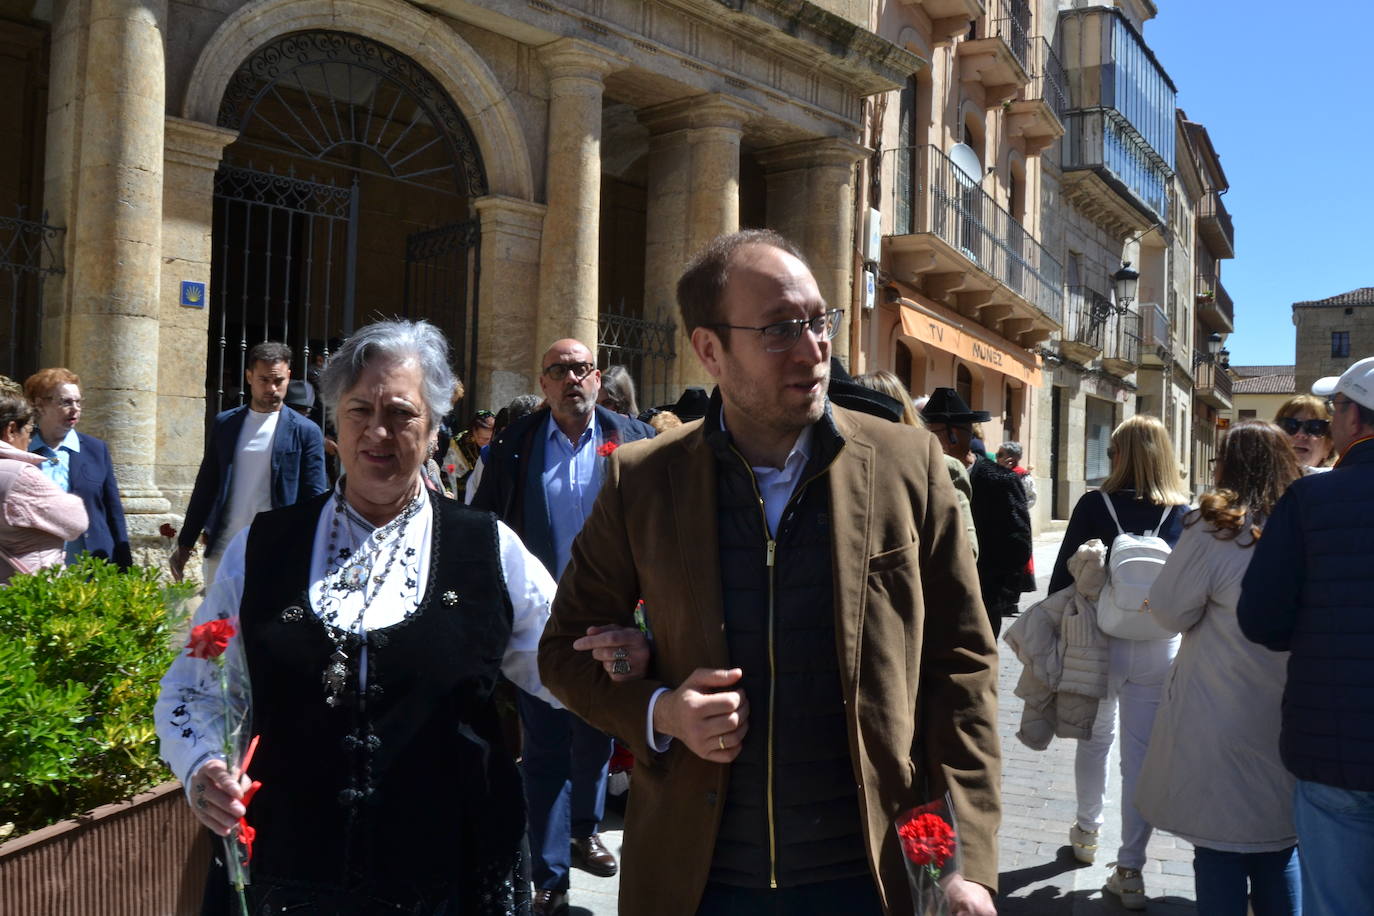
441, 279
646, 348
26, 261
283, 268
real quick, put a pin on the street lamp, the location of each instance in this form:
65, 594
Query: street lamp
1214, 353
1124, 283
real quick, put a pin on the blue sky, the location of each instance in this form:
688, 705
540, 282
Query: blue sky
1284, 91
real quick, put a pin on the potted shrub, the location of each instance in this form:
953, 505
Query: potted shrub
83, 649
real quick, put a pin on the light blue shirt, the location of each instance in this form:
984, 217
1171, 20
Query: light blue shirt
572, 478
58, 469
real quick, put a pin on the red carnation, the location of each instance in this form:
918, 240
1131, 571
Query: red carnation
210, 639
450, 468
167, 531
605, 448
927, 840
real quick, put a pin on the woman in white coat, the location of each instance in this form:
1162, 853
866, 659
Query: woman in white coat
1212, 774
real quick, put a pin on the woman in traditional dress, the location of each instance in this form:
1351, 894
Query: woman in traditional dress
373, 622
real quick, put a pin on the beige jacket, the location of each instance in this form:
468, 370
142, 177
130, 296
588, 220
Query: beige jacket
1064, 654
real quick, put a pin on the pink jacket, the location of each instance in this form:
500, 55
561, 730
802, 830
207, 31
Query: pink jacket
36, 517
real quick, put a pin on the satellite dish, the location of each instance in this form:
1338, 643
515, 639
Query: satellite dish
968, 168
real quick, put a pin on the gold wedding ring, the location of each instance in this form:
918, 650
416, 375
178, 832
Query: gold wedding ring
720, 739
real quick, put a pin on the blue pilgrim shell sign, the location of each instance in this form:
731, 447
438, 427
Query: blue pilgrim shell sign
192, 294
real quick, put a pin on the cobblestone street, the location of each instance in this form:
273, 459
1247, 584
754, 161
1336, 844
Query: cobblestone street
1039, 876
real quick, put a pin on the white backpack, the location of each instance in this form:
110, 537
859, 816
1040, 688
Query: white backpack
1123, 607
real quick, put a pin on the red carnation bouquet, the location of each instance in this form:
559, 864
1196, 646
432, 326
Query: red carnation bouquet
224, 683
930, 849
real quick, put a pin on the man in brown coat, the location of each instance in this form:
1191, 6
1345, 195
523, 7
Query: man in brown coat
821, 657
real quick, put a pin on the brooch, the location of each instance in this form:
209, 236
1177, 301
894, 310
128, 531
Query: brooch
292, 614
450, 597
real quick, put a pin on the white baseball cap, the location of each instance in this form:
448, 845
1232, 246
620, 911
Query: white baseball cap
1356, 383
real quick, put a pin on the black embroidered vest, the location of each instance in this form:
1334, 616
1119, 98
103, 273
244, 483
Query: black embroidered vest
403, 792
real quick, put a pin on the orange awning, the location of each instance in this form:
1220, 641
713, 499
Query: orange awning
933, 324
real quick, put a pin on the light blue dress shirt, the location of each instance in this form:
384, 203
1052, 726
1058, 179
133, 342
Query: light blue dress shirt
58, 469
572, 478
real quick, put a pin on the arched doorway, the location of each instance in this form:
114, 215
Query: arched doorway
347, 197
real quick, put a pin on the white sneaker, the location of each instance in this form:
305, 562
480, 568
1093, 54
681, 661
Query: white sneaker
1084, 844
1127, 884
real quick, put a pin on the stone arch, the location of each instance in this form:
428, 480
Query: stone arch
426, 39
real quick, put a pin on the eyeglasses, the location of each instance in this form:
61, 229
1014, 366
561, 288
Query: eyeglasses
559, 371
781, 336
1332, 403
1292, 426
66, 403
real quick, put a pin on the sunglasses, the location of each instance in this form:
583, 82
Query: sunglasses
1293, 426
559, 371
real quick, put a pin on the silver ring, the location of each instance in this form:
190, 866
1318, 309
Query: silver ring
202, 804
621, 652
200, 788
620, 666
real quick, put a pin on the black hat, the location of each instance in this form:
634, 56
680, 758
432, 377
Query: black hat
300, 394
945, 406
690, 406
848, 393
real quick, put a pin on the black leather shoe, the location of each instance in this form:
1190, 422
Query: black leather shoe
550, 903
591, 855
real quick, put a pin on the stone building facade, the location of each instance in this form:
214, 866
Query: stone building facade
217, 174
1332, 333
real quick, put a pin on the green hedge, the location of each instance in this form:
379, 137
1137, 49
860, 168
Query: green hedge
82, 649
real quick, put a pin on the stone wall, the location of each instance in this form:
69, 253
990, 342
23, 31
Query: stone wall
1315, 325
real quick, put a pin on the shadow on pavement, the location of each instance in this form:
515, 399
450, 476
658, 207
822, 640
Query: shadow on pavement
1049, 901
1008, 882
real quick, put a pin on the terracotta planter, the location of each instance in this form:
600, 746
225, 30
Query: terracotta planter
144, 857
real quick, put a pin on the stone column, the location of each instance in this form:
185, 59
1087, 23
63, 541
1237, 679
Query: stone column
811, 201
692, 197
508, 299
115, 226
191, 156
567, 301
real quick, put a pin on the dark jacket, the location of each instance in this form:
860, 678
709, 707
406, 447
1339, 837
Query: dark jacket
1090, 519
93, 479
516, 493
1002, 520
1309, 591
297, 471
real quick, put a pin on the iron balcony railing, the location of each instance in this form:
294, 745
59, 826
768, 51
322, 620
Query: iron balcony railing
1210, 292
1103, 140
932, 195
1211, 375
1049, 81
1123, 343
1214, 217
1010, 21
1087, 316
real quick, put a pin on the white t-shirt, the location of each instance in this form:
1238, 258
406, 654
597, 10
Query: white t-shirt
250, 492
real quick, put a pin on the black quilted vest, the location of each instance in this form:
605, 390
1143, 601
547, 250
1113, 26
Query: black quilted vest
807, 828
405, 794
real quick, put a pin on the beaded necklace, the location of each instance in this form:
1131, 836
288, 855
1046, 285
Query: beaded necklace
353, 572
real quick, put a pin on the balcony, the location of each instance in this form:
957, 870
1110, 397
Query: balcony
1214, 225
1111, 172
1085, 319
1121, 351
1214, 307
999, 57
954, 242
1037, 117
1154, 335
949, 18
1211, 384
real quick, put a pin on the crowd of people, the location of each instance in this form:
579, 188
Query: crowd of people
783, 597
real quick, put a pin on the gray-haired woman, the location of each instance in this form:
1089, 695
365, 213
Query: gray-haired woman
373, 622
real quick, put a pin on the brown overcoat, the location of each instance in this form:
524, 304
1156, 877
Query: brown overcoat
918, 662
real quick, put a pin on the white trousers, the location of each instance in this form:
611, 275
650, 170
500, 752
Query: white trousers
1135, 682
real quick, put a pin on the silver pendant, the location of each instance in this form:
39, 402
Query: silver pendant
354, 579
335, 677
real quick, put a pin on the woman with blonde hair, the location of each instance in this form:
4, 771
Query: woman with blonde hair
1212, 774
1145, 493
1307, 421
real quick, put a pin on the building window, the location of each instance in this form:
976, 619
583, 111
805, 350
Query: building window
1248, 414
1097, 433
1340, 343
